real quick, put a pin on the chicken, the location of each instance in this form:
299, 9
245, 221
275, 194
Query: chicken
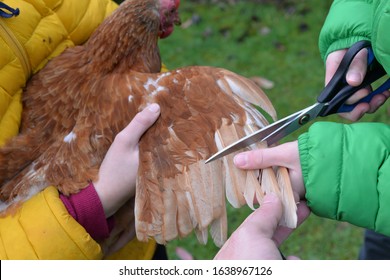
76, 105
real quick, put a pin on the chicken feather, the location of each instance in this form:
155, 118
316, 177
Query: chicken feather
96, 89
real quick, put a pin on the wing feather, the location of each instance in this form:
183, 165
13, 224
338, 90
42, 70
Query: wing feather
203, 109
289, 218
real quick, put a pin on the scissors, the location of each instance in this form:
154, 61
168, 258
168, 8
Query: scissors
330, 101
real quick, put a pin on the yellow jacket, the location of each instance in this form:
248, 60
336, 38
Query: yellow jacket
42, 228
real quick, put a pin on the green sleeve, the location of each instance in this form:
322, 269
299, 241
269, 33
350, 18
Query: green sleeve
347, 22
350, 21
346, 171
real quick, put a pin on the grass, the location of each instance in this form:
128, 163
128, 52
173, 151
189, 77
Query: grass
279, 42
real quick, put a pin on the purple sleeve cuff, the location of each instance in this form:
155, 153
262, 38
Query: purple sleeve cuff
86, 208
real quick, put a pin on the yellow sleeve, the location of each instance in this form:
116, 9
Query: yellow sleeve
42, 228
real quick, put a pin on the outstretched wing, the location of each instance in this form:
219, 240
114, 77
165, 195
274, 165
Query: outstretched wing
203, 109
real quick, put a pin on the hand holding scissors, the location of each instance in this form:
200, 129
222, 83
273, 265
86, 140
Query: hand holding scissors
355, 75
330, 101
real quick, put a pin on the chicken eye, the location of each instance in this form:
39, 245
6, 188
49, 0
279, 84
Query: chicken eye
170, 12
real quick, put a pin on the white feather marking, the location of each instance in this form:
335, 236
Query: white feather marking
218, 141
153, 86
187, 84
131, 98
235, 88
70, 137
31, 192
33, 175
221, 85
236, 118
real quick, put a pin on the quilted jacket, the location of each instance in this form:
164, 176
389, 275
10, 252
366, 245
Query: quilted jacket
350, 21
346, 168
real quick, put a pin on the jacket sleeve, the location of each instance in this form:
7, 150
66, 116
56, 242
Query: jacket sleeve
346, 170
42, 228
347, 22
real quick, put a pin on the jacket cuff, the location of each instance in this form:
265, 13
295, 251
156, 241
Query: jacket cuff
304, 154
86, 208
346, 23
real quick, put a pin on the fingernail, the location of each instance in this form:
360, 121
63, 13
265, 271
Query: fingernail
240, 160
354, 77
155, 108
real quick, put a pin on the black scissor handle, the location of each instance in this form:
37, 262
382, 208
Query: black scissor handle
338, 91
338, 80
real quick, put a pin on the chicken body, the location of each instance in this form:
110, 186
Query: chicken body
75, 81
76, 105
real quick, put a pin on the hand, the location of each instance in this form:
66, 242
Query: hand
286, 155
259, 236
118, 171
355, 75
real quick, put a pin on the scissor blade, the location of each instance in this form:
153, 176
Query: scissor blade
300, 120
256, 136
273, 132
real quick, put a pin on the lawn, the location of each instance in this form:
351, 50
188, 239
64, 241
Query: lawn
277, 40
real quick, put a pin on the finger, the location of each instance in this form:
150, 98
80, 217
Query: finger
265, 219
357, 113
282, 233
140, 123
361, 93
332, 63
377, 101
358, 68
282, 155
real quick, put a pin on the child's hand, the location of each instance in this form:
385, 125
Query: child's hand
118, 172
286, 155
259, 236
356, 73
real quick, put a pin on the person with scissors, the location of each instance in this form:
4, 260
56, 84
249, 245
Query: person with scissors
341, 170
376, 245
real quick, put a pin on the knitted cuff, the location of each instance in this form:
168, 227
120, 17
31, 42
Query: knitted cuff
86, 208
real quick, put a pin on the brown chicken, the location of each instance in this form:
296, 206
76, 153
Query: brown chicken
76, 105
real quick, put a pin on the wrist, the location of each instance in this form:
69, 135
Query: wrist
111, 200
86, 208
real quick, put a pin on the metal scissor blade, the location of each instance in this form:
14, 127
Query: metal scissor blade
271, 133
305, 116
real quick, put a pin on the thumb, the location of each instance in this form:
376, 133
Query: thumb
141, 122
265, 219
358, 68
332, 63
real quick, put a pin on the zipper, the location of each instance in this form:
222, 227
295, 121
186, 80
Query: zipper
14, 43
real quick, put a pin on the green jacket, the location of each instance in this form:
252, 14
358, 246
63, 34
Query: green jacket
346, 168
350, 21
